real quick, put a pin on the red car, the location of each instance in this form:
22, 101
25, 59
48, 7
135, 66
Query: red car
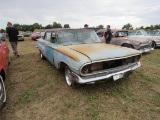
4, 61
35, 36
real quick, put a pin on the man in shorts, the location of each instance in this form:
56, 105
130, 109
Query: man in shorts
12, 33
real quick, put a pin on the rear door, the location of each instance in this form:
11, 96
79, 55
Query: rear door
114, 39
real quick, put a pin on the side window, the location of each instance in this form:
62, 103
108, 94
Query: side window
48, 36
139, 33
53, 37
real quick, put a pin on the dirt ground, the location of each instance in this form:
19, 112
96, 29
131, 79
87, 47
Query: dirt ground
37, 91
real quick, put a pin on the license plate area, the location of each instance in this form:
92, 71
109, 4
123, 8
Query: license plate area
118, 76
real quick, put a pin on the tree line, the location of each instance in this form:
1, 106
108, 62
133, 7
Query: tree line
128, 26
34, 26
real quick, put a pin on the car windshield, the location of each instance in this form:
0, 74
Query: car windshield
144, 33
131, 33
158, 34
77, 36
123, 33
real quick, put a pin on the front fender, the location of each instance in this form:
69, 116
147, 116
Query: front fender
72, 63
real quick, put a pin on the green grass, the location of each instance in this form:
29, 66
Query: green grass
37, 90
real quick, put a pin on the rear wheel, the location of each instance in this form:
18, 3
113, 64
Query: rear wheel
153, 45
42, 56
127, 45
68, 77
2, 93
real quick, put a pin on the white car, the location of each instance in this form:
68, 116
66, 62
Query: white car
144, 34
20, 37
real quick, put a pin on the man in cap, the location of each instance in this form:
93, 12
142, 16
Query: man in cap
85, 26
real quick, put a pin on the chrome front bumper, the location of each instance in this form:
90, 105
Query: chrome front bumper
158, 44
145, 50
120, 72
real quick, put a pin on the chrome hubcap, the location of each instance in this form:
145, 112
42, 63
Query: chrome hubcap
41, 55
68, 76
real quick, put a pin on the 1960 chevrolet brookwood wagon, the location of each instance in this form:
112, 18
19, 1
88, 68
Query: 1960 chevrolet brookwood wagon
84, 57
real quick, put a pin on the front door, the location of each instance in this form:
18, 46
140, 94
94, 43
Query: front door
49, 47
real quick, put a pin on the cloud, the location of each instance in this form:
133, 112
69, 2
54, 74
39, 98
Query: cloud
77, 13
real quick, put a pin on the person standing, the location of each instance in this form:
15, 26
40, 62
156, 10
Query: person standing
108, 34
12, 33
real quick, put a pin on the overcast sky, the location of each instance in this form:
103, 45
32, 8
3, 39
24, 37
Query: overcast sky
76, 13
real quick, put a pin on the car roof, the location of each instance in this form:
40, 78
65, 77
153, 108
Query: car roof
58, 29
113, 30
132, 30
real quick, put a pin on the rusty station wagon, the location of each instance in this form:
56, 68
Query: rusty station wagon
84, 58
120, 37
143, 34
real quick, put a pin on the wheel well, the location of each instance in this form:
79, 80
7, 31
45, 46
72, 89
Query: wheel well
62, 66
128, 44
2, 73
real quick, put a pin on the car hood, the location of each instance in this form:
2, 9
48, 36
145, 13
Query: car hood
96, 51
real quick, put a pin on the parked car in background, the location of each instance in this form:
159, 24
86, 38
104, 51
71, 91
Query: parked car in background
4, 60
35, 36
20, 37
84, 58
2, 37
144, 34
42, 32
26, 34
120, 38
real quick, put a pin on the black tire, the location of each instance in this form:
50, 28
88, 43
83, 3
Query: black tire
153, 45
42, 56
69, 80
2, 93
127, 45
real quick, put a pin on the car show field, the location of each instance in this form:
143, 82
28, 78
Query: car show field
36, 90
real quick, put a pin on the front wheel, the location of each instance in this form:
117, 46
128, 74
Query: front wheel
68, 77
153, 45
42, 56
2, 93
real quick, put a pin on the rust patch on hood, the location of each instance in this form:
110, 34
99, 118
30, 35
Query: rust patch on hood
96, 51
101, 51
